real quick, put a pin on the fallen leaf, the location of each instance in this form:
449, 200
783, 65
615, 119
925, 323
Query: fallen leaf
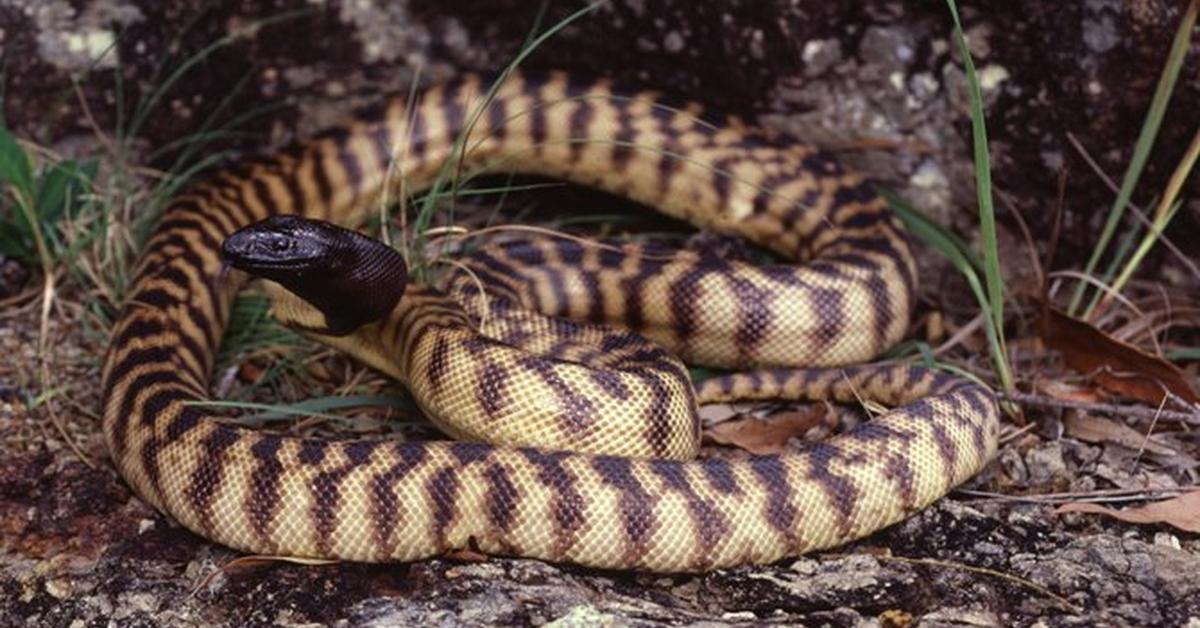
765, 436
1069, 392
714, 413
243, 564
467, 555
319, 371
1095, 429
247, 564
1183, 511
250, 372
1118, 367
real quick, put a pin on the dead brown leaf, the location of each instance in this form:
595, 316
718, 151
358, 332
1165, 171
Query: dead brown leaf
1118, 367
765, 436
1095, 429
244, 564
1182, 512
250, 372
247, 564
467, 555
1069, 392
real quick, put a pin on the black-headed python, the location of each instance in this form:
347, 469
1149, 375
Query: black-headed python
629, 498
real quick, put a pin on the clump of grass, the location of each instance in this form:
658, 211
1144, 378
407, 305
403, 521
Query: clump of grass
79, 222
38, 198
190, 155
41, 197
1168, 207
251, 329
75, 218
1141, 153
989, 290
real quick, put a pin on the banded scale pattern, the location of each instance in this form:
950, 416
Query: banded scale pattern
542, 381
377, 500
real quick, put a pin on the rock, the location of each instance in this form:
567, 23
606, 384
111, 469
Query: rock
1046, 464
1119, 581
960, 618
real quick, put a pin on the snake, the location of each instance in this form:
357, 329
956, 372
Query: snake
633, 497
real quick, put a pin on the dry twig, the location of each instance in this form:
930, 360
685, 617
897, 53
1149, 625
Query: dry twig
1028, 399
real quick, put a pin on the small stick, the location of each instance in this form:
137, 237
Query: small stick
947, 564
1097, 496
1149, 431
1107, 408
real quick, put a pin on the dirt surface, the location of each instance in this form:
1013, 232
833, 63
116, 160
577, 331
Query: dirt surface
877, 81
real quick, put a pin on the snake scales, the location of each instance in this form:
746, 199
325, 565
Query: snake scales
380, 500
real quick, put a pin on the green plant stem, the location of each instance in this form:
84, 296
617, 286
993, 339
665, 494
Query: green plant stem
994, 302
1167, 208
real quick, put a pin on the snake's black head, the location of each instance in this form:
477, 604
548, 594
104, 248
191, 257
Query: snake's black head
351, 278
281, 245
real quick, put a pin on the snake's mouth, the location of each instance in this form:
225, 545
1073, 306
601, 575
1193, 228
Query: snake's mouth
277, 244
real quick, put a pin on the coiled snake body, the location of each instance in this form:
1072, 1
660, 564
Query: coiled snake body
646, 509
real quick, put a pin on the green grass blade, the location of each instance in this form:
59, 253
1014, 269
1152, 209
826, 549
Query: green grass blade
15, 168
210, 131
147, 106
320, 407
251, 328
909, 347
497, 190
914, 219
59, 187
950, 246
13, 242
1183, 355
994, 303
1167, 208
